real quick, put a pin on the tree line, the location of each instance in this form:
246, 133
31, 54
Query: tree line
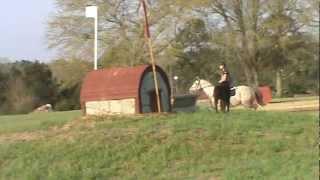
263, 42
26, 85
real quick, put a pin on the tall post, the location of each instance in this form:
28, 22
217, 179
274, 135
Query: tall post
96, 43
92, 12
149, 41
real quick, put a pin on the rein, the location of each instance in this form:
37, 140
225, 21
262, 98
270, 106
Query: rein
206, 86
200, 87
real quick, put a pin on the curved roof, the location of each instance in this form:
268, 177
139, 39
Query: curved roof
113, 83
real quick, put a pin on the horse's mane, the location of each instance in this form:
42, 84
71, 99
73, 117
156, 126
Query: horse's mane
205, 83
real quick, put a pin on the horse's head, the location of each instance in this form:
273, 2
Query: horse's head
196, 86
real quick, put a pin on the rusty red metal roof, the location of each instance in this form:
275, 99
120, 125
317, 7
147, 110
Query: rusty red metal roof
112, 84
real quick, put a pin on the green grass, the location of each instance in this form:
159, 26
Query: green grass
202, 145
35, 121
307, 98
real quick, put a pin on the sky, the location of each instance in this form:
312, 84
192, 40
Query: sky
23, 29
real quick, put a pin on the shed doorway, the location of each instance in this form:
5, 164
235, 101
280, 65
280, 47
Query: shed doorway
153, 100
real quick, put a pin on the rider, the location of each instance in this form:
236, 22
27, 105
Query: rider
225, 84
225, 80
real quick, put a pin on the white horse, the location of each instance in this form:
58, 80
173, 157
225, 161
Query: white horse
244, 95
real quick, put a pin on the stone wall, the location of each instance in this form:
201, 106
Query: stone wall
124, 106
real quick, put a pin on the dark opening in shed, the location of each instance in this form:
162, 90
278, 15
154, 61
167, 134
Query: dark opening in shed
124, 90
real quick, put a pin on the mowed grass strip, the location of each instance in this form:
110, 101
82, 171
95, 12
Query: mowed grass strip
202, 145
35, 121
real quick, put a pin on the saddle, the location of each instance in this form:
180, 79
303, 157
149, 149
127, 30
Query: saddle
232, 91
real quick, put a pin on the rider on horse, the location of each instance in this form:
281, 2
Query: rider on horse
225, 80
222, 90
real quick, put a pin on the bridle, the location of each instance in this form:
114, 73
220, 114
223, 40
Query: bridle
199, 86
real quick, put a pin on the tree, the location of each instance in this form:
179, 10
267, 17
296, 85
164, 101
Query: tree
39, 80
121, 30
69, 75
194, 55
241, 22
25, 86
3, 87
282, 39
20, 99
259, 36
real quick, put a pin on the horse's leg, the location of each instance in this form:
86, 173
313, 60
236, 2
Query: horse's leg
223, 101
228, 99
228, 105
225, 106
215, 96
222, 105
253, 103
250, 104
255, 106
216, 103
211, 101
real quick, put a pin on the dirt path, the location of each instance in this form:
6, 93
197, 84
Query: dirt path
288, 106
307, 105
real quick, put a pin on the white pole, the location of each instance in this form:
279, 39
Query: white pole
96, 43
92, 12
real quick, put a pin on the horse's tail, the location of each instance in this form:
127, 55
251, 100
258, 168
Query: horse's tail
259, 97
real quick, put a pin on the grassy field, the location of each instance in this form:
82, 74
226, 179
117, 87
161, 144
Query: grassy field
202, 145
35, 121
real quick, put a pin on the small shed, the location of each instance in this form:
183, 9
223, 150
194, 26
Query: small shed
124, 91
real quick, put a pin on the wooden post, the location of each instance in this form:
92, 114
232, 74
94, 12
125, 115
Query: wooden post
147, 35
